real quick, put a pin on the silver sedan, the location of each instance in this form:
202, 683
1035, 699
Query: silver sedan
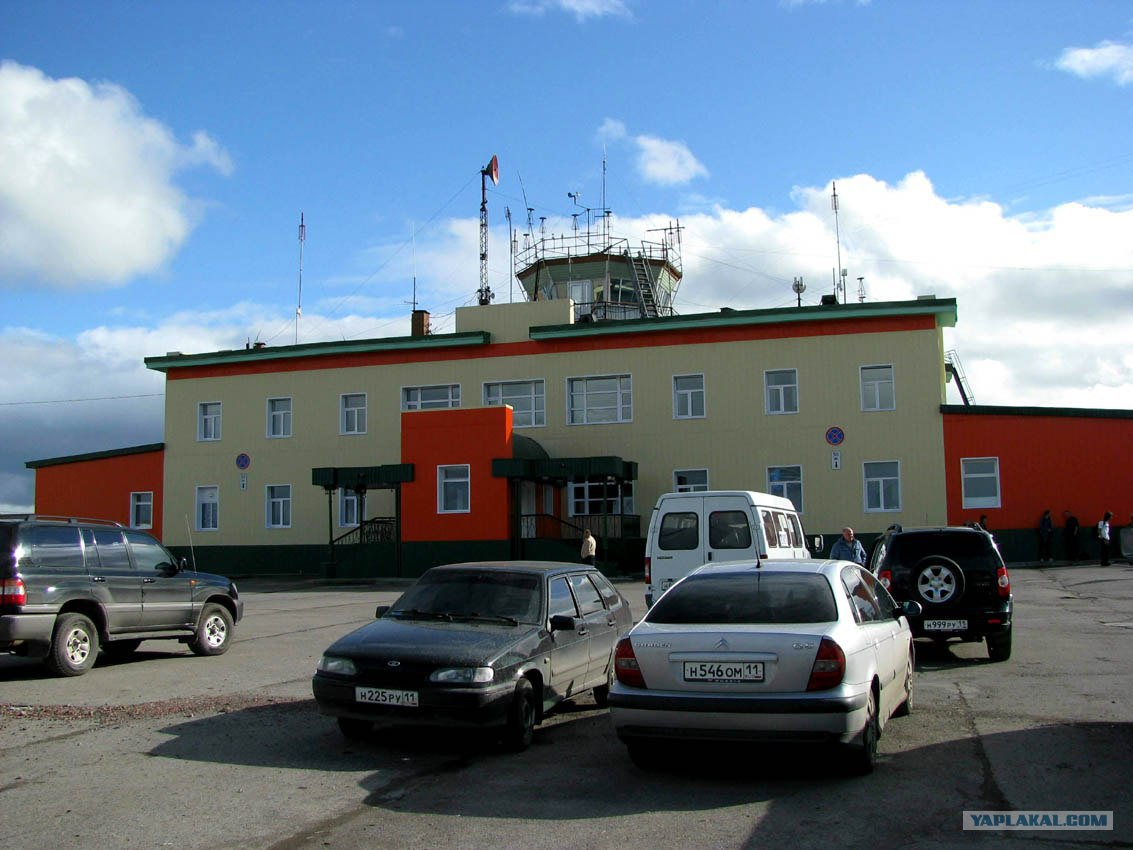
784, 651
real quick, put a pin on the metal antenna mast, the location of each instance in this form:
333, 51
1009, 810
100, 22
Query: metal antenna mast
299, 302
838, 242
484, 295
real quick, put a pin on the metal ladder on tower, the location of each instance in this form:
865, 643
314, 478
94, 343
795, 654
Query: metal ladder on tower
644, 285
953, 368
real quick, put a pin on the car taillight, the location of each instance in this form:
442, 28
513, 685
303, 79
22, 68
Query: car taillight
648, 570
886, 578
1004, 582
625, 665
13, 592
829, 666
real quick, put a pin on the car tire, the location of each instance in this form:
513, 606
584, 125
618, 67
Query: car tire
906, 707
74, 646
938, 580
214, 631
354, 728
121, 648
999, 647
862, 756
520, 728
602, 696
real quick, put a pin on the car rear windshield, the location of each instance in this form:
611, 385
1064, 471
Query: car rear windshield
748, 598
469, 593
969, 550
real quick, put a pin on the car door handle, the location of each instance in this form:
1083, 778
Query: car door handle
583, 632
611, 623
148, 580
98, 578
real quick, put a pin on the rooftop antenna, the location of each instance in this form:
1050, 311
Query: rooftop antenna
511, 261
861, 290
799, 287
413, 240
299, 302
492, 170
838, 241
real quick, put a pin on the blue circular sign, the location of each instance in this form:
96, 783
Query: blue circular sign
243, 460
835, 435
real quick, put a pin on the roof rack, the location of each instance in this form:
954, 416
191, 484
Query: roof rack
70, 520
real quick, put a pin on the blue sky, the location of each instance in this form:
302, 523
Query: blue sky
155, 159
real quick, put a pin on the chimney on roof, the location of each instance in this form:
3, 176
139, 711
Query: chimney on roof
419, 325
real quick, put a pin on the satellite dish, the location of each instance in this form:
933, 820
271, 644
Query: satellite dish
492, 169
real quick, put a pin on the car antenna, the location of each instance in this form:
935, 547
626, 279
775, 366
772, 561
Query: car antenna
192, 551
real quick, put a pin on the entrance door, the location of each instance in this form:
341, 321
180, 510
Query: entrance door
527, 510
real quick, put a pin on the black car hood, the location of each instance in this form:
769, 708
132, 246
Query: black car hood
457, 642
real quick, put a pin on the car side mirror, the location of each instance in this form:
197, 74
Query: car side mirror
911, 608
380, 611
816, 542
168, 569
183, 564
563, 623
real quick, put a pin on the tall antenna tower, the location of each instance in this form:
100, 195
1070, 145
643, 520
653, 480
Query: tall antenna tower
299, 301
838, 241
492, 169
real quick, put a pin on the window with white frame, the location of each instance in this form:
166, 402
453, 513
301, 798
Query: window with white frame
353, 414
600, 496
141, 510
454, 489
430, 398
279, 417
980, 482
347, 508
278, 505
882, 486
786, 481
599, 399
208, 508
688, 396
782, 390
527, 399
690, 480
877, 388
208, 420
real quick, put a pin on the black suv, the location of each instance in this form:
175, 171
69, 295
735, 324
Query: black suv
958, 576
69, 587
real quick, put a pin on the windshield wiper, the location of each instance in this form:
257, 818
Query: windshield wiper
495, 618
418, 614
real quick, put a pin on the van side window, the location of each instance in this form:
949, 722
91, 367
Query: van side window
784, 528
769, 530
55, 546
678, 531
729, 530
796, 531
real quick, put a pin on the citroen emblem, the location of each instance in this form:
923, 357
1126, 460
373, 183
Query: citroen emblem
721, 644
393, 663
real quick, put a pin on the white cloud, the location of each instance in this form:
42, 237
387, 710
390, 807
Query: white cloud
581, 9
1108, 59
86, 191
667, 162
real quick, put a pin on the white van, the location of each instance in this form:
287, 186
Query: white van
688, 530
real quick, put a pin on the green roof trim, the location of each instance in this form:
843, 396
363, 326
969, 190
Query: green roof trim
373, 477
316, 349
943, 308
564, 468
1073, 412
131, 450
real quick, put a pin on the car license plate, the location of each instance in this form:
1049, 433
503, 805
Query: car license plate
382, 696
723, 671
945, 625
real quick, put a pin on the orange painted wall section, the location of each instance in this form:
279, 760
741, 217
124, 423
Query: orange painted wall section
432, 438
1075, 463
101, 488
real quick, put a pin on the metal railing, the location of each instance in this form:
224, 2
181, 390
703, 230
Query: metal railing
376, 530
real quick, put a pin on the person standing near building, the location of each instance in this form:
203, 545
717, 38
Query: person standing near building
848, 548
1071, 533
1046, 533
1103, 538
589, 547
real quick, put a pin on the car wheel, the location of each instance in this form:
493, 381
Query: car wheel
863, 755
74, 646
121, 648
520, 728
999, 647
939, 580
354, 728
906, 707
214, 631
602, 696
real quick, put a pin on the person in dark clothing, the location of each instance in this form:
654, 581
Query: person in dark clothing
1103, 538
1046, 533
1071, 534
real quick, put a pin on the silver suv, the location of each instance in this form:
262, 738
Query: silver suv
70, 587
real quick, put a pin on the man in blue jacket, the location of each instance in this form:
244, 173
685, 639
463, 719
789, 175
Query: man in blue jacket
848, 548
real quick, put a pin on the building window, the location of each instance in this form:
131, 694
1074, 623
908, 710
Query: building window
278, 505
208, 420
690, 480
279, 417
141, 510
882, 486
786, 481
208, 508
782, 390
353, 418
600, 496
980, 481
527, 399
877, 388
454, 489
430, 398
606, 398
688, 396
347, 509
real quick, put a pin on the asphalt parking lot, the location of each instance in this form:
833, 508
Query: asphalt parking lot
171, 750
